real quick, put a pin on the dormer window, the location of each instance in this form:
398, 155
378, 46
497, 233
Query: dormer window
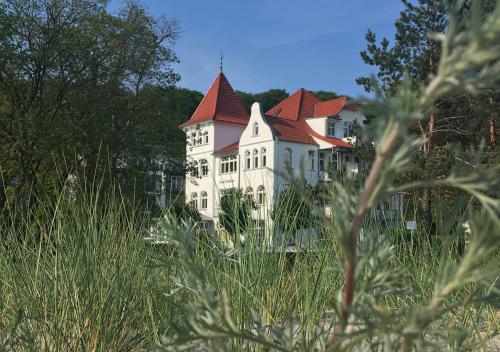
331, 128
255, 129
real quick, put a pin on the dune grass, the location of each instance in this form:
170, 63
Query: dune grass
80, 276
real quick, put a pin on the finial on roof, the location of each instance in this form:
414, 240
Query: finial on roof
221, 59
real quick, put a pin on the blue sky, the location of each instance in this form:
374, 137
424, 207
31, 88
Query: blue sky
267, 44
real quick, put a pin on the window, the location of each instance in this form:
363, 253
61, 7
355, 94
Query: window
249, 193
335, 161
176, 183
255, 129
255, 158
193, 139
321, 161
194, 169
248, 160
310, 160
347, 129
263, 157
229, 164
287, 158
199, 140
204, 167
331, 128
204, 200
261, 195
205, 137
194, 199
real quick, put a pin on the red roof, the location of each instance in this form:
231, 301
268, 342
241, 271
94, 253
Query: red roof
330, 107
292, 131
287, 119
220, 104
228, 148
334, 141
297, 106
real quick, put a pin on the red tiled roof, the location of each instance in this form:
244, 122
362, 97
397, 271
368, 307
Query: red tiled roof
292, 131
330, 107
228, 148
297, 106
287, 119
334, 141
220, 104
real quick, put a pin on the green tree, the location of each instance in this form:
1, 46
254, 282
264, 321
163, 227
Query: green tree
72, 78
415, 53
268, 99
325, 95
235, 211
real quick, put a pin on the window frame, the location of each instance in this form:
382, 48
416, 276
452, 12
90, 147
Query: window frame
321, 161
203, 167
330, 124
310, 160
229, 164
203, 200
248, 160
194, 199
287, 158
347, 129
261, 195
255, 129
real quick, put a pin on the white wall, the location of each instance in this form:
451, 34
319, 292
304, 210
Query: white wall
260, 176
319, 124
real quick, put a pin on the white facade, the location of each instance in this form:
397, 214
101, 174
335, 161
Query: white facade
251, 157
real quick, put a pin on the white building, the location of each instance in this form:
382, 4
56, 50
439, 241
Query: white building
227, 148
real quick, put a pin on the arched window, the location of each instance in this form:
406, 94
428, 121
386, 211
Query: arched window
204, 167
194, 169
248, 160
287, 158
255, 158
263, 157
205, 137
261, 195
310, 160
249, 193
204, 200
194, 199
255, 129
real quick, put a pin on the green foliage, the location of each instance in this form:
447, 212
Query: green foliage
184, 211
235, 211
294, 209
268, 99
324, 95
73, 87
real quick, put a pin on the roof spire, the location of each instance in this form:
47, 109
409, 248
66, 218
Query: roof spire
221, 61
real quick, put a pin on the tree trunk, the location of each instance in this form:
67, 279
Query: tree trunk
426, 200
492, 123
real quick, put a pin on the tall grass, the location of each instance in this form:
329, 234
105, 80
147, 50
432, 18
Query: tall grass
79, 276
